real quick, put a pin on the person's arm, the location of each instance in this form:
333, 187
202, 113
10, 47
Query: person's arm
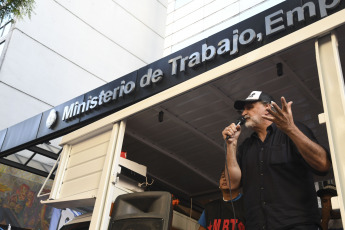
202, 221
231, 163
313, 153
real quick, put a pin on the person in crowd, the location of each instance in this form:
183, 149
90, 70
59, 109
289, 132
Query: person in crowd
275, 165
225, 212
331, 219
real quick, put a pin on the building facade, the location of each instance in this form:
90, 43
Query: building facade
76, 47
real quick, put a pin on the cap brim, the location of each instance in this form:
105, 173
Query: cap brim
239, 105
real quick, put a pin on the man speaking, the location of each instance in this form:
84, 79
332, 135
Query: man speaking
275, 165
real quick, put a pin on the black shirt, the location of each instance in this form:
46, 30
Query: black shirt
278, 184
219, 214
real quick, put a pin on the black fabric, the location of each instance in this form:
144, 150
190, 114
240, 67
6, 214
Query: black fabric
306, 227
219, 214
278, 184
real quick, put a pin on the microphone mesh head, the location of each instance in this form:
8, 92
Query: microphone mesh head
241, 120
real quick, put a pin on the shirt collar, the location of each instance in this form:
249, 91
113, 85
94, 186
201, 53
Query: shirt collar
236, 198
270, 129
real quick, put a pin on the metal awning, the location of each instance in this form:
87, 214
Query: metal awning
37, 159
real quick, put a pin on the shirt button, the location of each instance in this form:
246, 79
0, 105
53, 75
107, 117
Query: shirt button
262, 188
263, 203
261, 174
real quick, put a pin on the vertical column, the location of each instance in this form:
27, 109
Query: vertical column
100, 216
333, 98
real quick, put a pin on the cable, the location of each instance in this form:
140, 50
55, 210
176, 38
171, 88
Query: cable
146, 183
232, 203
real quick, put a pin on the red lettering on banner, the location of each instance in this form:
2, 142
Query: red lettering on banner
241, 226
210, 226
233, 221
226, 224
216, 224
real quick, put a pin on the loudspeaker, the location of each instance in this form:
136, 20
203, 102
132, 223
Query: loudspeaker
81, 222
150, 210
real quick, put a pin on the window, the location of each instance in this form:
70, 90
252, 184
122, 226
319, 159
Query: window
2, 44
5, 25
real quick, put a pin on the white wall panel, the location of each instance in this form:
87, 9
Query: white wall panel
181, 3
221, 26
171, 47
92, 148
208, 16
153, 15
171, 7
79, 42
187, 32
92, 167
215, 6
189, 19
217, 15
222, 15
136, 38
38, 71
168, 42
259, 8
85, 165
187, 9
164, 2
123, 25
81, 186
170, 19
17, 106
188, 41
209, 1
244, 5
169, 30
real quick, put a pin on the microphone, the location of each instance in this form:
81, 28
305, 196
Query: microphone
240, 121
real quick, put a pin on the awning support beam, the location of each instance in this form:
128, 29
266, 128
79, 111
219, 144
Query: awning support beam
333, 99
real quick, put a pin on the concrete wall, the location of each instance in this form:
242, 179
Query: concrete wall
70, 47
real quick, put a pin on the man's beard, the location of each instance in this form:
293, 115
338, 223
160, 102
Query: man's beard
253, 121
